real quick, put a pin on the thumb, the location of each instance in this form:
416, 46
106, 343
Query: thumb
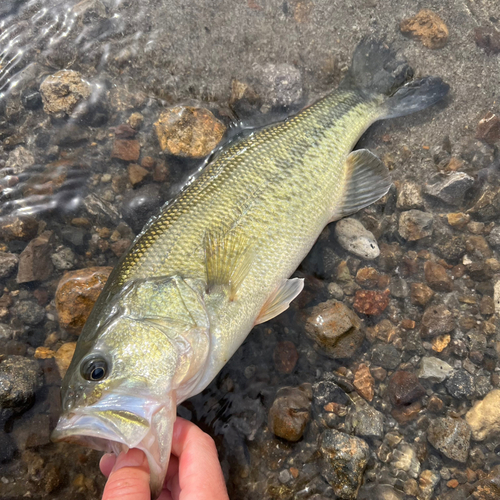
129, 478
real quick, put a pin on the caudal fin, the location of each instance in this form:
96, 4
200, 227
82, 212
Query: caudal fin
376, 69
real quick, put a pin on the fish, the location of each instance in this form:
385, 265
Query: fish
218, 259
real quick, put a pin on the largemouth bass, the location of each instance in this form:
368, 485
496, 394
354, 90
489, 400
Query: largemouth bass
217, 260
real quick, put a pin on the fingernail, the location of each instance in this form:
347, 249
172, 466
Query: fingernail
133, 458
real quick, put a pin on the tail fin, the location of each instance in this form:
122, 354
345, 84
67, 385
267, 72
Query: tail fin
376, 69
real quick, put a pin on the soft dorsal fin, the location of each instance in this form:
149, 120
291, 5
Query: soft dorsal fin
227, 259
280, 300
367, 180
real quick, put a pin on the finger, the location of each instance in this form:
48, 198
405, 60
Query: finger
200, 475
107, 463
129, 478
173, 469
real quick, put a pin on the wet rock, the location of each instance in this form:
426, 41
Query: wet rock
458, 219
427, 483
139, 205
344, 460
420, 294
460, 385
76, 294
437, 320
20, 159
126, 149
18, 228
437, 277
415, 225
29, 312
326, 392
63, 259
427, 27
390, 256
63, 357
121, 246
488, 38
290, 412
335, 329
35, 263
370, 491
451, 189
368, 277
101, 209
451, 436
6, 332
386, 356
399, 288
7, 447
285, 356
8, 263
31, 99
409, 196
19, 380
494, 237
405, 414
62, 91
365, 421
487, 488
278, 85
496, 297
488, 128
371, 302
354, 238
188, 131
364, 382
136, 174
484, 417
434, 369
404, 458
404, 388
487, 205
135, 120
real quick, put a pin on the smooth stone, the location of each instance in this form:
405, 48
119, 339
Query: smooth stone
356, 239
484, 417
415, 225
434, 369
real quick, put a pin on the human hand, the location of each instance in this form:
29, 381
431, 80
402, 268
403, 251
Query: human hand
194, 471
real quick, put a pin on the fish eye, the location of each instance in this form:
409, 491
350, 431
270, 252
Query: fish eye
94, 369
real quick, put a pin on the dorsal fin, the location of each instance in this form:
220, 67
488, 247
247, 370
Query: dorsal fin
280, 300
367, 180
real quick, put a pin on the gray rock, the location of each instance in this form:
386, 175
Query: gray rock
63, 259
451, 436
278, 84
451, 189
460, 385
139, 205
8, 263
437, 320
19, 379
326, 392
344, 460
386, 356
6, 332
365, 421
29, 312
494, 237
415, 225
404, 458
434, 369
355, 238
409, 196
483, 386
20, 159
399, 288
34, 262
97, 207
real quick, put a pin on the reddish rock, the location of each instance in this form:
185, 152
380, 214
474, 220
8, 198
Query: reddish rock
488, 128
126, 149
35, 263
427, 27
370, 302
148, 162
437, 277
368, 277
76, 294
406, 414
125, 131
404, 388
285, 356
121, 246
364, 382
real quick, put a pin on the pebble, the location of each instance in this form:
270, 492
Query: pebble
344, 460
126, 149
285, 356
434, 369
437, 277
139, 205
335, 329
427, 483
188, 131
364, 382
415, 225
488, 128
487, 205
35, 263
451, 189
19, 380
494, 237
290, 412
368, 277
458, 219
356, 239
404, 458
62, 91
427, 27
399, 287
371, 302
460, 384
19, 160
63, 259
488, 38
76, 294
136, 174
29, 312
278, 84
451, 436
404, 388
420, 294
8, 264
496, 297
135, 120
63, 357
484, 417
22, 228
6, 332
409, 196
386, 356
365, 421
437, 320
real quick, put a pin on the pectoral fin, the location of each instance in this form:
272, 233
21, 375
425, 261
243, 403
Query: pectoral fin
367, 180
280, 300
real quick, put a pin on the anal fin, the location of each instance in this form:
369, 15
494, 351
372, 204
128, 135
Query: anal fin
367, 180
280, 300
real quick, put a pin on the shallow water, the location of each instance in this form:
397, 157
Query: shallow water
144, 56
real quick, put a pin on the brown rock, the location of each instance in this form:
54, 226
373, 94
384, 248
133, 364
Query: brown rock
160, 173
441, 342
76, 294
384, 330
458, 220
136, 173
121, 246
335, 329
488, 38
135, 120
487, 305
63, 357
378, 373
148, 162
126, 149
18, 228
408, 324
370, 302
427, 27
285, 356
368, 277
415, 225
188, 131
125, 131
364, 382
435, 404
404, 388
35, 263
436, 321
437, 278
420, 294
406, 414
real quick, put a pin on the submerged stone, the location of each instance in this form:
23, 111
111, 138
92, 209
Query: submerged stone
356, 239
484, 417
451, 436
427, 27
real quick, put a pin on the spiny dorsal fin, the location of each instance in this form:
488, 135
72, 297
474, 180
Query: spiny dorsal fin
227, 259
367, 180
280, 300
